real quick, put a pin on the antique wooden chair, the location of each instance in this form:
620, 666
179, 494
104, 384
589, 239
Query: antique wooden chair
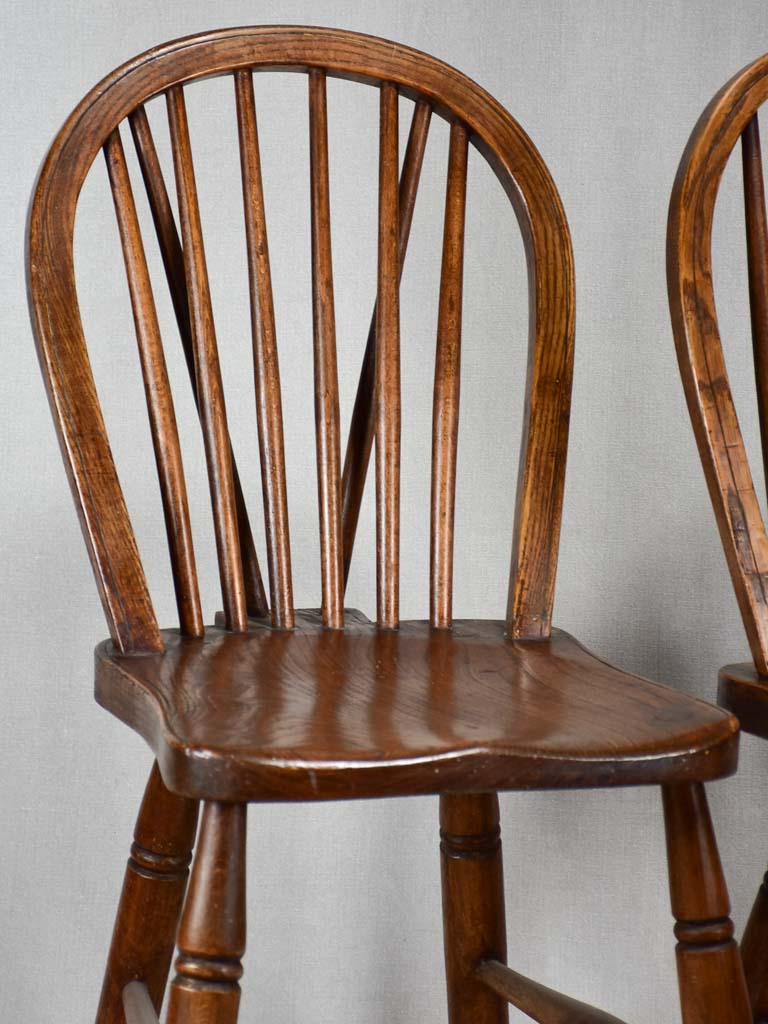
743, 688
276, 704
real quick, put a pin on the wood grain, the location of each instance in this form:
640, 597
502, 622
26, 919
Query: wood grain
699, 348
261, 712
710, 972
757, 267
173, 264
754, 943
151, 900
445, 414
211, 941
538, 1002
420, 710
362, 424
265, 360
327, 429
162, 418
210, 390
491, 130
388, 370
473, 904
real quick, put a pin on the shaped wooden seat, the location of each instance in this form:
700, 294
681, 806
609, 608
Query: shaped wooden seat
275, 704
732, 115
324, 714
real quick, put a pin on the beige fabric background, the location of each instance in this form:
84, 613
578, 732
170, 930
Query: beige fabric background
344, 899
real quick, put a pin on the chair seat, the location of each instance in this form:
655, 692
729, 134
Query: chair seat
314, 713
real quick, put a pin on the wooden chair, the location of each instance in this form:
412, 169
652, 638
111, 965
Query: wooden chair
743, 688
277, 704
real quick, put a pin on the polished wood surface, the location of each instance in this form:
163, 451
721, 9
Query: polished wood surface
395, 70
697, 337
173, 263
165, 436
365, 712
270, 704
362, 423
206, 988
269, 414
707, 953
742, 688
151, 901
536, 1001
473, 904
327, 429
210, 388
387, 392
754, 944
445, 417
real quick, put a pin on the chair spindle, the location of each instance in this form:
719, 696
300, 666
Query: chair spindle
208, 373
326, 376
165, 437
388, 368
363, 421
265, 359
445, 413
757, 265
173, 263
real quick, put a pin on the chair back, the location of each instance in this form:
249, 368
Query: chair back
475, 118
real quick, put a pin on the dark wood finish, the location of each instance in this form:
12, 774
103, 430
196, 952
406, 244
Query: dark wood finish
173, 263
388, 370
757, 264
326, 376
137, 1005
210, 390
151, 900
492, 131
206, 988
697, 337
445, 421
473, 904
262, 711
415, 710
536, 1001
165, 436
754, 944
266, 372
743, 689
362, 424
712, 985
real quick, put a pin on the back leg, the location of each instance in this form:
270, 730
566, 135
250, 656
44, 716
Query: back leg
710, 973
754, 953
473, 904
211, 942
150, 904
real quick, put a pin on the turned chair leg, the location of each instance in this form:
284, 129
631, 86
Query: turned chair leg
710, 973
473, 904
144, 935
754, 954
212, 930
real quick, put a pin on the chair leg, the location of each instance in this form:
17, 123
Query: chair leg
473, 904
153, 891
754, 954
212, 931
710, 973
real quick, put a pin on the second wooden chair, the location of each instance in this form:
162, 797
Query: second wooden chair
743, 688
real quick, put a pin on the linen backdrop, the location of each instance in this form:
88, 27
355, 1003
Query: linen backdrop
344, 903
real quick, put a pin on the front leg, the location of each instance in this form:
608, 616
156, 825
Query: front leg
150, 904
